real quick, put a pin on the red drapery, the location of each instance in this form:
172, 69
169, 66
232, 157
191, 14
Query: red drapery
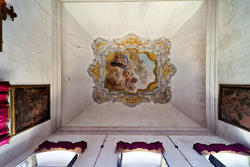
4, 111
152, 147
204, 149
78, 147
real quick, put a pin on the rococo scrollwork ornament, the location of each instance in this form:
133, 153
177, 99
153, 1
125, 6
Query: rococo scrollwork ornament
132, 70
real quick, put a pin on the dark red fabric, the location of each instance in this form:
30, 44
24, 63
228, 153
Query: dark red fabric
4, 111
4, 86
3, 97
142, 145
238, 148
62, 144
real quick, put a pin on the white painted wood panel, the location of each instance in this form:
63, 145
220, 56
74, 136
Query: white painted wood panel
185, 144
88, 158
108, 157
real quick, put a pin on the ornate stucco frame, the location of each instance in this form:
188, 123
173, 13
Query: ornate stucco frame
160, 48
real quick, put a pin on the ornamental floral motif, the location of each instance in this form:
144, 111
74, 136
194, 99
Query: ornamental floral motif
131, 70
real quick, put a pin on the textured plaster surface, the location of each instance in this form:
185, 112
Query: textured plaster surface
116, 19
27, 59
145, 115
232, 51
189, 55
76, 57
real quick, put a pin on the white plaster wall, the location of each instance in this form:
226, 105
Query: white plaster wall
188, 53
232, 52
81, 26
27, 58
149, 19
144, 115
76, 57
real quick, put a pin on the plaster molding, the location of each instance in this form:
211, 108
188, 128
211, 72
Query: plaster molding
117, 130
211, 66
70, 1
57, 69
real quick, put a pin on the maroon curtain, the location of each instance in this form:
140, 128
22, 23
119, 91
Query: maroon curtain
4, 111
216, 148
78, 147
153, 147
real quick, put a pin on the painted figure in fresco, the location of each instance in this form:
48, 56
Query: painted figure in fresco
114, 78
142, 72
125, 70
130, 81
130, 70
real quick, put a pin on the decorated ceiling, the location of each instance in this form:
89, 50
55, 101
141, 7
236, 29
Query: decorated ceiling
132, 70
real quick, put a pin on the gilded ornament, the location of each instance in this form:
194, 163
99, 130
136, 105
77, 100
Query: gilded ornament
132, 100
166, 70
132, 40
131, 70
96, 70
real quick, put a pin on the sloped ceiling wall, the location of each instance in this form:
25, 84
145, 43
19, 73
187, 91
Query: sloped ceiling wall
148, 19
183, 22
188, 53
76, 83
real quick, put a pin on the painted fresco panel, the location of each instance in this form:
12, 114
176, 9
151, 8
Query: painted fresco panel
132, 70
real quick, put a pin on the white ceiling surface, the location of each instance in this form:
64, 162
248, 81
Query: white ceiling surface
116, 19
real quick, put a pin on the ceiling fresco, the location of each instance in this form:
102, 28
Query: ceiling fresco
132, 70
